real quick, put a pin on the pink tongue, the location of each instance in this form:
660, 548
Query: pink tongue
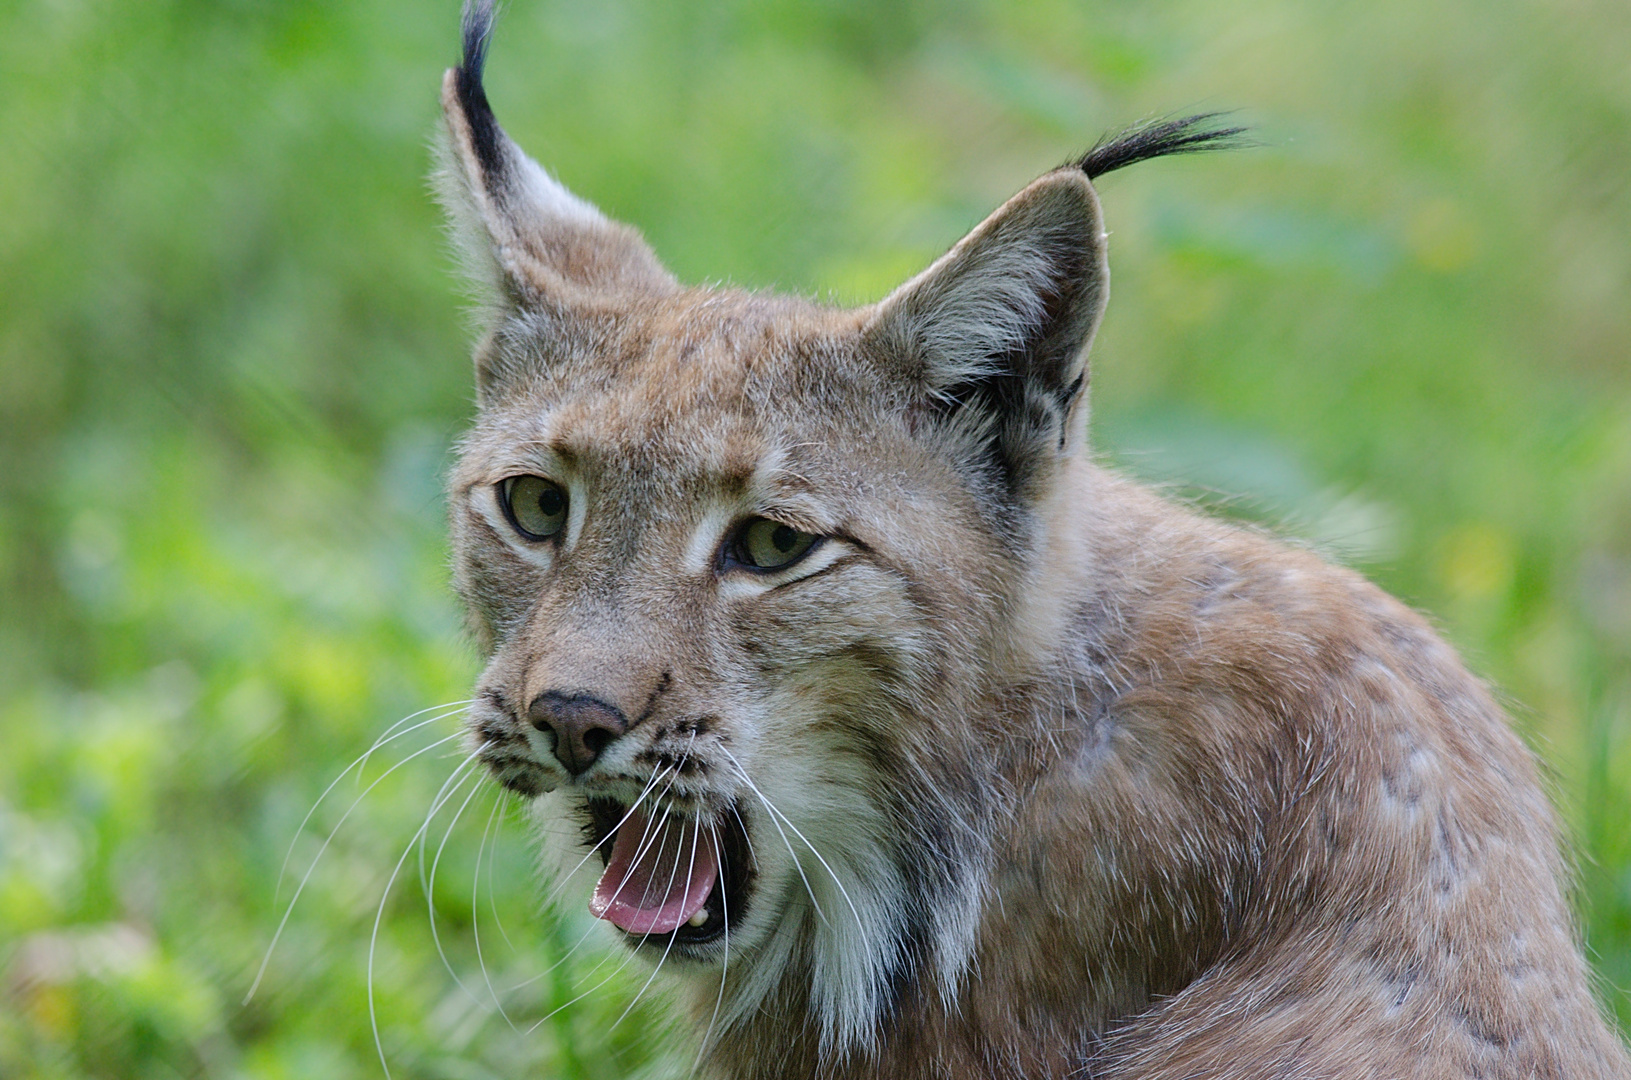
657, 878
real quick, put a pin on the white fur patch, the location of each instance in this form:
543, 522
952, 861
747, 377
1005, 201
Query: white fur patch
548, 197
746, 583
701, 551
834, 892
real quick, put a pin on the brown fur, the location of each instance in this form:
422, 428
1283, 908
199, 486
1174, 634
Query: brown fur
1098, 786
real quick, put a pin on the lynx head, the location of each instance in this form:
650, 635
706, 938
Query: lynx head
754, 576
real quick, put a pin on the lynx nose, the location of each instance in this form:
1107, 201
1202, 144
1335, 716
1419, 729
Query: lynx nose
583, 726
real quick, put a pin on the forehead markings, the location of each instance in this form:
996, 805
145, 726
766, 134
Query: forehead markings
646, 424
716, 352
518, 439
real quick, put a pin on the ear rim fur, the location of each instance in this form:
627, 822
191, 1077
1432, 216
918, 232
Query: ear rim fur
486, 180
1066, 191
993, 336
529, 247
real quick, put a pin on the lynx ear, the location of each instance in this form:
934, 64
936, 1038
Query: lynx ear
994, 334
522, 233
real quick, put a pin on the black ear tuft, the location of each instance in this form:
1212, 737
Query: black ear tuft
1159, 138
485, 136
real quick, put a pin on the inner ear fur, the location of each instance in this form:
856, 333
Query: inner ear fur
531, 246
546, 242
993, 337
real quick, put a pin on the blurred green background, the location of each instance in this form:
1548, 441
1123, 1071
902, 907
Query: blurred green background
232, 362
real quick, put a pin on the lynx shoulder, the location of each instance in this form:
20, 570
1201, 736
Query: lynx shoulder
910, 742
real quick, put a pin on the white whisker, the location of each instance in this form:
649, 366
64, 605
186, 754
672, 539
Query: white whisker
430, 893
475, 917
424, 831
651, 832
585, 935
568, 1004
753, 858
277, 934
661, 836
631, 953
696, 836
797, 865
492, 894
749, 782
379, 913
453, 707
725, 964
628, 958
361, 765
653, 782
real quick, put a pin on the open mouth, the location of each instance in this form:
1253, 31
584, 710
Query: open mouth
668, 878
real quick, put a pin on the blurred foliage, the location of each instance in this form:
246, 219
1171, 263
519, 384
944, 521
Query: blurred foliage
232, 364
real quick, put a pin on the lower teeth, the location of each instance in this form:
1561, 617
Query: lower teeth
700, 918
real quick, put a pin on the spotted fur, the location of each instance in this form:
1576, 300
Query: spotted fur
1067, 780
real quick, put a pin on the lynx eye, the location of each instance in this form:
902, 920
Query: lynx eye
536, 507
763, 544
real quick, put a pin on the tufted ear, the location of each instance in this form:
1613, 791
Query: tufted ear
994, 335
992, 339
532, 245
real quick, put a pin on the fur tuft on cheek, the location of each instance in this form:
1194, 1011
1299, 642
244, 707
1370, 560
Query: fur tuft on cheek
873, 840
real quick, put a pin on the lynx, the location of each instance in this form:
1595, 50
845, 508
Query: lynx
913, 743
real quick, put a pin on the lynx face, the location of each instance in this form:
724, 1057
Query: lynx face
717, 634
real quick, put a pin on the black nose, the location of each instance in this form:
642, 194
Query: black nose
583, 726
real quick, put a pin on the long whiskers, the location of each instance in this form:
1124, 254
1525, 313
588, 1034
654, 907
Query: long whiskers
424, 831
284, 922
725, 963
753, 859
498, 817
361, 765
791, 854
429, 887
629, 957
653, 782
443, 797
568, 876
775, 813
475, 914
454, 707
696, 836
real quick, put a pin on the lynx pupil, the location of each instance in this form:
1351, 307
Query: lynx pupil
551, 502
536, 507
771, 545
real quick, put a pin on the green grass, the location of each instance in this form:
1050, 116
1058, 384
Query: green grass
232, 362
